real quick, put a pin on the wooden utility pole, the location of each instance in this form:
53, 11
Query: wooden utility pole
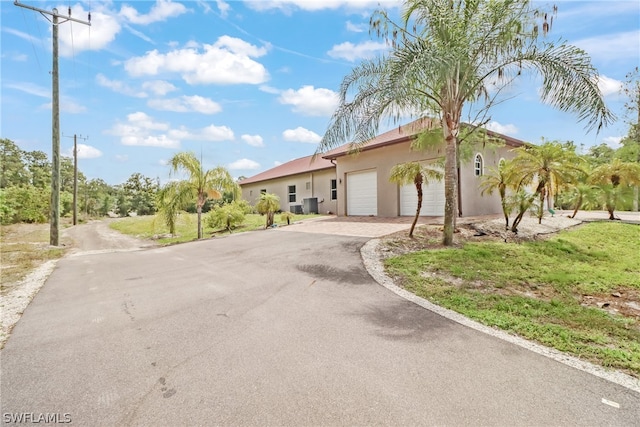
75, 176
54, 217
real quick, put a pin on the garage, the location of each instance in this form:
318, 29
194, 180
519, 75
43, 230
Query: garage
432, 199
362, 193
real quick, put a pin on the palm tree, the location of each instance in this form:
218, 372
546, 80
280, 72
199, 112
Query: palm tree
268, 205
199, 185
613, 178
171, 200
497, 179
546, 167
417, 174
449, 53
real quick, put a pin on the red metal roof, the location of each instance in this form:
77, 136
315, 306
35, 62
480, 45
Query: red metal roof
294, 167
402, 134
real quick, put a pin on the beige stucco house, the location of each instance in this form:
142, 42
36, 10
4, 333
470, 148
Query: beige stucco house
302, 183
357, 184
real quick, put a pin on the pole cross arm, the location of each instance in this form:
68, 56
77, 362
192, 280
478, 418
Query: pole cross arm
53, 13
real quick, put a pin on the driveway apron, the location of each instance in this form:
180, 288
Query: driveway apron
272, 328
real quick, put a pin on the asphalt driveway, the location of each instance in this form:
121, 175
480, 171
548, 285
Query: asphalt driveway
272, 328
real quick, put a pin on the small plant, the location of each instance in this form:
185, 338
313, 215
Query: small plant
286, 216
228, 216
268, 205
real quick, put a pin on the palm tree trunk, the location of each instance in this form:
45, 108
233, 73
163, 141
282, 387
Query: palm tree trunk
418, 183
199, 210
578, 204
450, 128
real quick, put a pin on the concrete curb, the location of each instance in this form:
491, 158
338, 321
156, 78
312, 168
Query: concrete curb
373, 264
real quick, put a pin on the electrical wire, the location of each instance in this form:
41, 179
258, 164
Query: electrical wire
31, 40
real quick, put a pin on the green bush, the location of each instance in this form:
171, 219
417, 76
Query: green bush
228, 216
24, 204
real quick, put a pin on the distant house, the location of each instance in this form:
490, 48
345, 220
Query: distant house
305, 179
358, 183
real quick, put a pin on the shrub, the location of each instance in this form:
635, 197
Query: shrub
228, 216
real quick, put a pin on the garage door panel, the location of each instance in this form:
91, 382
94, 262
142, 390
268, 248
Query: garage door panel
362, 193
432, 199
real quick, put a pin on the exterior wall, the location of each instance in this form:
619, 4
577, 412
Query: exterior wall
382, 159
319, 186
473, 203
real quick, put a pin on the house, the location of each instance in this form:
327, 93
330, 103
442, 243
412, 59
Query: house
307, 179
359, 182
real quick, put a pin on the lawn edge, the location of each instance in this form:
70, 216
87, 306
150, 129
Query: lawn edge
373, 264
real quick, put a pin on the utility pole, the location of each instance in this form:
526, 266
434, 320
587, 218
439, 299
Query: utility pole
54, 216
75, 176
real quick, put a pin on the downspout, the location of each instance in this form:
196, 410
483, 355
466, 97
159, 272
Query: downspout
459, 195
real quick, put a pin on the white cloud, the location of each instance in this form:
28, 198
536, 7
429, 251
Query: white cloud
612, 141
66, 106
617, 46
314, 5
119, 87
103, 30
609, 86
85, 152
159, 87
223, 7
31, 89
356, 28
277, 163
301, 134
186, 104
269, 89
253, 140
141, 130
121, 158
244, 164
227, 61
217, 133
353, 52
160, 11
310, 101
507, 129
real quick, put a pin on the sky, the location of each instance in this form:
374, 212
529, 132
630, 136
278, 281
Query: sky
246, 85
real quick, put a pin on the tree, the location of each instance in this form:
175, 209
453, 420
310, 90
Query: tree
497, 179
613, 178
416, 174
12, 168
268, 205
546, 167
228, 216
141, 192
39, 168
449, 53
199, 185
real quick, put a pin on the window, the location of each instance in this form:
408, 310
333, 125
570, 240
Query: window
334, 189
292, 194
308, 185
263, 191
478, 165
251, 192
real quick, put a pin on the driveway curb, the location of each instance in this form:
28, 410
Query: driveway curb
373, 263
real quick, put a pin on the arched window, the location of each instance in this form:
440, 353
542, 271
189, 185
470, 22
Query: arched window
478, 165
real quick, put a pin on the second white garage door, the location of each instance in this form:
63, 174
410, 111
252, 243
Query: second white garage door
432, 199
362, 193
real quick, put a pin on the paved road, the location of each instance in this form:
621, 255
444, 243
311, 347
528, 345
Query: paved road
273, 328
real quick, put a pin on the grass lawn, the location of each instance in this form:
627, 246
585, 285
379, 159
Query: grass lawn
578, 291
148, 227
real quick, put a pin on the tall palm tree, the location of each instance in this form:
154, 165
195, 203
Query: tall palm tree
417, 174
546, 167
449, 53
613, 178
199, 184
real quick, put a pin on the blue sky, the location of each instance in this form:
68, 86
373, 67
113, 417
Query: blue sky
247, 84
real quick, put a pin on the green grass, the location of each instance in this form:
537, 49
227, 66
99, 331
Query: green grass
149, 226
535, 289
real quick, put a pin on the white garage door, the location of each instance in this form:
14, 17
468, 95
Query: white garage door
362, 193
432, 199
